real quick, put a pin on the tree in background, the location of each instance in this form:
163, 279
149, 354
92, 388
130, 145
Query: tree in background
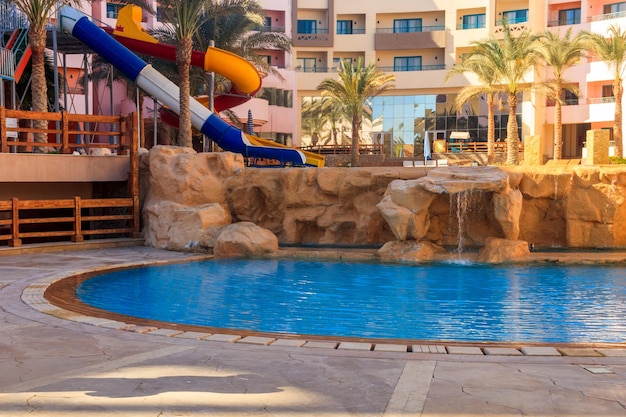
510, 60
357, 84
477, 62
560, 54
612, 50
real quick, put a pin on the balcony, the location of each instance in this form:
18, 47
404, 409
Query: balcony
429, 37
314, 38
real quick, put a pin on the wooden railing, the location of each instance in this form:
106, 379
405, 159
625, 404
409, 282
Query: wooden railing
478, 147
64, 130
376, 149
70, 218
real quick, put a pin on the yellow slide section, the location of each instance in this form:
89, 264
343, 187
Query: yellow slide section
241, 72
312, 158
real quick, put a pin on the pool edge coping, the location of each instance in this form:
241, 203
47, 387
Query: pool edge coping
33, 296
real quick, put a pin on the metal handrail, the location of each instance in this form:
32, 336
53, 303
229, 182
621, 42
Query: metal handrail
422, 29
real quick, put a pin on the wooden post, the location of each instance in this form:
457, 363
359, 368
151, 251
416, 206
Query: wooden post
65, 136
3, 130
133, 178
78, 231
15, 224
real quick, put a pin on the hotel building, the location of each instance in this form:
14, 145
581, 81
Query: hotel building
420, 41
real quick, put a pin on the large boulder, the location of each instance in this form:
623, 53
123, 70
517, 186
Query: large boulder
244, 239
507, 209
497, 250
181, 175
174, 226
410, 251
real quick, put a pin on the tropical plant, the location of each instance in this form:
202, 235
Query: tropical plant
510, 60
356, 86
560, 53
478, 63
612, 50
313, 117
38, 13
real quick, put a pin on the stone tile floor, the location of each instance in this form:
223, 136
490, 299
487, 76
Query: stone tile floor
58, 363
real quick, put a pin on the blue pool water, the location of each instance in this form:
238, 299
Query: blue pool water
426, 302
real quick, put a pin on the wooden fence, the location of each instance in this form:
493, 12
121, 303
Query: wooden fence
364, 149
74, 218
65, 132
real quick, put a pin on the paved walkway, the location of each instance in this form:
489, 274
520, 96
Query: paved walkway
55, 363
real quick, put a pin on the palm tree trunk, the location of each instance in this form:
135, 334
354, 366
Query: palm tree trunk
512, 140
355, 157
491, 127
558, 131
183, 62
618, 91
39, 88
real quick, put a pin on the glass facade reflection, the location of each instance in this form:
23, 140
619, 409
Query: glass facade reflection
401, 122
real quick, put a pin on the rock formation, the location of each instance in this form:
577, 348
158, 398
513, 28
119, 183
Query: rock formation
188, 198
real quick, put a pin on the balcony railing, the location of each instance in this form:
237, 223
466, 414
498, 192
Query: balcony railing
608, 16
299, 68
352, 32
277, 29
601, 100
413, 68
568, 102
514, 21
423, 29
465, 26
563, 22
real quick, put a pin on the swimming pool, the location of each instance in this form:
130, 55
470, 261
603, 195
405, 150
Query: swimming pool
447, 302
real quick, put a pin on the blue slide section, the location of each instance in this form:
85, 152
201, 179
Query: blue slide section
147, 78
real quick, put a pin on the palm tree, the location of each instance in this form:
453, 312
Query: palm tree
356, 85
612, 50
38, 14
477, 62
560, 54
183, 18
510, 60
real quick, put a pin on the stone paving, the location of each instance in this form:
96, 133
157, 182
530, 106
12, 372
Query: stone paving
58, 363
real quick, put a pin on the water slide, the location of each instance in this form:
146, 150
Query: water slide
156, 84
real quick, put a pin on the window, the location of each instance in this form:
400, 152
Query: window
407, 63
267, 59
307, 64
615, 8
607, 91
113, 9
569, 98
474, 21
569, 17
344, 27
307, 26
268, 23
407, 25
515, 16
337, 62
